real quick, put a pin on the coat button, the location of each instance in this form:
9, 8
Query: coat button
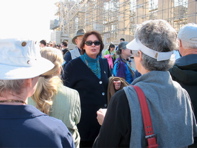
105, 105
100, 82
103, 93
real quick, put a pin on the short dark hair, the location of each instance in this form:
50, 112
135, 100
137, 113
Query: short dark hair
111, 46
43, 42
122, 39
65, 43
97, 34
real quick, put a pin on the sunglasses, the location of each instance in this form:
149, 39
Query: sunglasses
96, 43
46, 77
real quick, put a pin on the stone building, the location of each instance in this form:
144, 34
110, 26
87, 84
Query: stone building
116, 19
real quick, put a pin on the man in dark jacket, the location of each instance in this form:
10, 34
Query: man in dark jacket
76, 52
64, 47
184, 70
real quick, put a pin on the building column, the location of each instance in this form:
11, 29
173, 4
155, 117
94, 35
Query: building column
192, 8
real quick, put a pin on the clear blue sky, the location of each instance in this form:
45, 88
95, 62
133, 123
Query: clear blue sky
26, 18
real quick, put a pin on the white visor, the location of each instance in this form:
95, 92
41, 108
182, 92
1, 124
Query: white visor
160, 56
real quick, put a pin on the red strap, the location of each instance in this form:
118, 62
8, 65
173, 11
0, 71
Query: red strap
150, 136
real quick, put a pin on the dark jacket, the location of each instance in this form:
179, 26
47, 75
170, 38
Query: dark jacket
92, 91
24, 126
68, 57
65, 50
184, 72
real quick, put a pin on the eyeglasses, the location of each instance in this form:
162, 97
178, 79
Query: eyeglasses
96, 43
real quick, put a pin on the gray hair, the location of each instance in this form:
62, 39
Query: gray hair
121, 46
187, 44
160, 36
14, 86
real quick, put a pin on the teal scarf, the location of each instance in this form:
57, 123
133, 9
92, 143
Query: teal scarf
93, 64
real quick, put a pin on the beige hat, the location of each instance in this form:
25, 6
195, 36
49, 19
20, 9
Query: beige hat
79, 33
20, 59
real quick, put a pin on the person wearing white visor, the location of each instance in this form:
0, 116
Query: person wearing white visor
23, 125
169, 104
136, 45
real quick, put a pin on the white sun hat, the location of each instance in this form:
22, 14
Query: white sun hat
20, 59
159, 56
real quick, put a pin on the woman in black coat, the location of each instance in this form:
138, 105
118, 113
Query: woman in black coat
89, 74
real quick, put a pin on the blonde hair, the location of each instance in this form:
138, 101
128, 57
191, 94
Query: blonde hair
49, 82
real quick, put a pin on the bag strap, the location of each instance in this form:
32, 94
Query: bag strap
150, 136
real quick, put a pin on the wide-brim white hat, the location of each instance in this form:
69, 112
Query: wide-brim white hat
20, 59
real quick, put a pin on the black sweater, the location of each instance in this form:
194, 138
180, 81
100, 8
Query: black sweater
118, 120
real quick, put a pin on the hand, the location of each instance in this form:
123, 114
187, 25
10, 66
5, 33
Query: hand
101, 115
117, 84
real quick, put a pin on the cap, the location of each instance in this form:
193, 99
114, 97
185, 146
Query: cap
188, 33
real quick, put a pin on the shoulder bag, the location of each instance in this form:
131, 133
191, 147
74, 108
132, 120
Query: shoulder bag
150, 136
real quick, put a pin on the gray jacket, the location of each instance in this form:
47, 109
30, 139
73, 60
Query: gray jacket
75, 53
170, 108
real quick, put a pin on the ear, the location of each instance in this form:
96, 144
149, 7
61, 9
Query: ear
60, 70
180, 43
140, 55
28, 82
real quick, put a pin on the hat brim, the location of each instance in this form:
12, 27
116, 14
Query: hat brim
73, 40
159, 56
133, 45
11, 72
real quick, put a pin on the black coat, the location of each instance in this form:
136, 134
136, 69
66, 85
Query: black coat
92, 91
184, 72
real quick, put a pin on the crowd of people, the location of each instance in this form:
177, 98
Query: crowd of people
85, 97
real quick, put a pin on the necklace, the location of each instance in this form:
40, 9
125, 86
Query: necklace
12, 101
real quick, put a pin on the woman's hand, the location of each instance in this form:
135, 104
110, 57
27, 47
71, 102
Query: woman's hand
101, 115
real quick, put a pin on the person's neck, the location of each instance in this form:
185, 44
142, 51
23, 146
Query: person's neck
189, 51
184, 51
142, 70
78, 47
124, 57
12, 100
90, 56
